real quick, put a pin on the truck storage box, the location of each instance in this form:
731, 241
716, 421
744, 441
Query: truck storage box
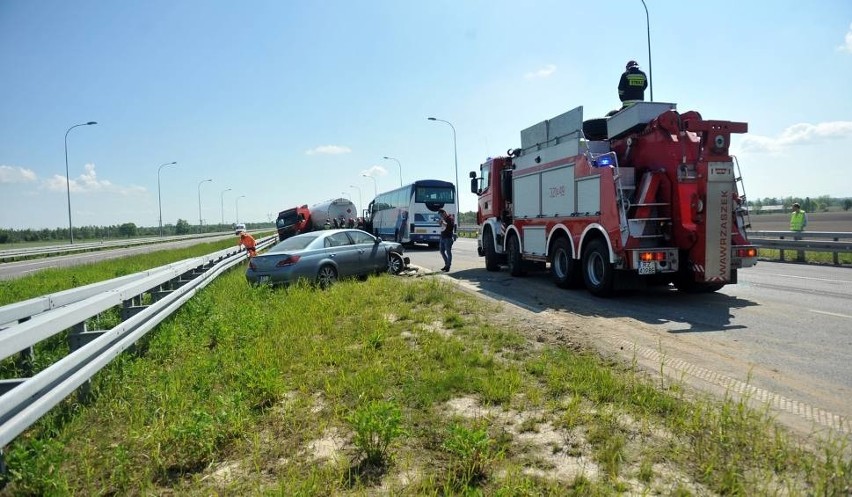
635, 117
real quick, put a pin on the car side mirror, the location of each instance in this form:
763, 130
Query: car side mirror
378, 240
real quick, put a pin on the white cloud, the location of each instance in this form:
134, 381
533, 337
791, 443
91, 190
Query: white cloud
375, 171
328, 150
88, 182
544, 72
14, 174
797, 134
847, 45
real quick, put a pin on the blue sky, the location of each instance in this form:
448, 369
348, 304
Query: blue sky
292, 102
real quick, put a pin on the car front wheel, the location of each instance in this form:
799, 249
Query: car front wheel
396, 264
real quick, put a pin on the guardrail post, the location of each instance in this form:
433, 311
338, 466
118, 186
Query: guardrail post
835, 256
800, 254
78, 337
26, 358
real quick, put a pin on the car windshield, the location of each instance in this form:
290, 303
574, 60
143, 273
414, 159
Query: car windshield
295, 243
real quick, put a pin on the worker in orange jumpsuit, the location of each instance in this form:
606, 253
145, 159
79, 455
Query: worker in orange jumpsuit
248, 242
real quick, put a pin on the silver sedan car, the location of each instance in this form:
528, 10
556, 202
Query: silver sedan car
324, 257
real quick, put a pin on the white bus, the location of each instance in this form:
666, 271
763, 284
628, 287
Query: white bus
409, 214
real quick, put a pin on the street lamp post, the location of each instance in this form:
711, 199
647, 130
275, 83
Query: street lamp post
360, 204
455, 157
200, 222
159, 196
68, 180
222, 204
375, 186
400, 168
650, 67
237, 207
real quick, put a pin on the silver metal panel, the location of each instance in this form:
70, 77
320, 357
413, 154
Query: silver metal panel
553, 128
535, 240
526, 196
557, 196
718, 209
634, 116
565, 124
566, 149
589, 195
534, 135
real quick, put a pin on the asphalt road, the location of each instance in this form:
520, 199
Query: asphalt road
783, 334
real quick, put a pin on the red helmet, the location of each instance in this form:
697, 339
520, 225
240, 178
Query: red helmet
632, 63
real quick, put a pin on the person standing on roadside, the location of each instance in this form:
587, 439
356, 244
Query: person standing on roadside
448, 234
798, 220
248, 242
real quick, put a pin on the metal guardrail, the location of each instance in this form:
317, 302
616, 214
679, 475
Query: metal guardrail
32, 252
836, 242
145, 299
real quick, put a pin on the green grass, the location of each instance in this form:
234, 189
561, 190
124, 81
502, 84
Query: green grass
397, 387
57, 279
810, 256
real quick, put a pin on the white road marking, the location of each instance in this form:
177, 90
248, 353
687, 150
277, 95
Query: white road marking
835, 314
808, 278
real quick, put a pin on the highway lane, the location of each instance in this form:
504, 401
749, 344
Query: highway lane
10, 270
784, 330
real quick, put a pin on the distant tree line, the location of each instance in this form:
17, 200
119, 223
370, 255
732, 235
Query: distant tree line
126, 230
823, 203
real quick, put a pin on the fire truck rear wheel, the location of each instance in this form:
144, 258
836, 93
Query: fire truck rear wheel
563, 267
598, 273
516, 264
492, 263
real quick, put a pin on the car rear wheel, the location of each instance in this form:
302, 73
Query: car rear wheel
326, 276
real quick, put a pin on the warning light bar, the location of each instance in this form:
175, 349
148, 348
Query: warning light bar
652, 256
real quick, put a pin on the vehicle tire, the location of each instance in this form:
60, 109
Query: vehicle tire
326, 276
598, 272
513, 256
433, 245
492, 263
563, 268
395, 263
595, 129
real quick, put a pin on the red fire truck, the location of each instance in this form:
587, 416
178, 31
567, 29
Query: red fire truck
647, 196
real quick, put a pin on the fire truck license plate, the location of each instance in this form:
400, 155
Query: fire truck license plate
647, 268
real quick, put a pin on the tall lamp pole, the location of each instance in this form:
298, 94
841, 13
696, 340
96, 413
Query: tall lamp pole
68, 180
455, 157
200, 223
360, 204
400, 168
650, 67
375, 186
222, 203
237, 207
159, 196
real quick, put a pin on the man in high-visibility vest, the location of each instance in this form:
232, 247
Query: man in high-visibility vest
798, 219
